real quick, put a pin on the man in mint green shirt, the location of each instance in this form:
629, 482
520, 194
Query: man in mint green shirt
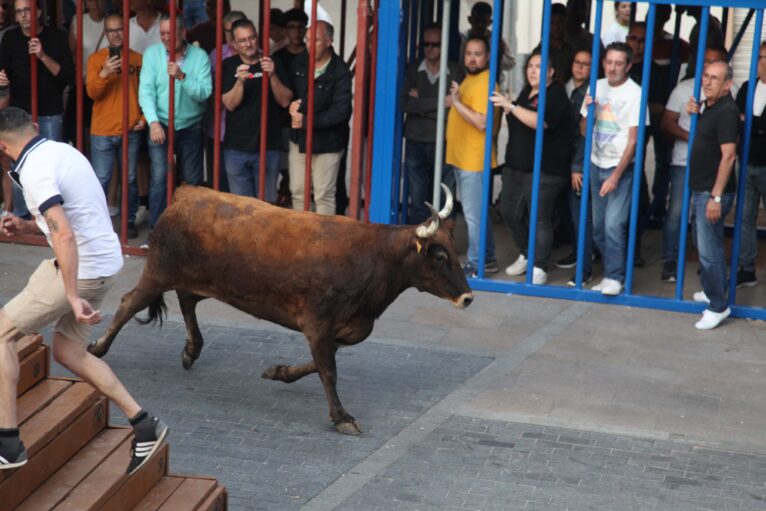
190, 71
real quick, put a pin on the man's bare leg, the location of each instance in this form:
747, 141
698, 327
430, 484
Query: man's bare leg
12, 453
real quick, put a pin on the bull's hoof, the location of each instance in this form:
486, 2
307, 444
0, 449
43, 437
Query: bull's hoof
98, 348
348, 428
186, 361
270, 373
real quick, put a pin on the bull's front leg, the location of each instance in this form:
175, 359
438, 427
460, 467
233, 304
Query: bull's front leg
323, 350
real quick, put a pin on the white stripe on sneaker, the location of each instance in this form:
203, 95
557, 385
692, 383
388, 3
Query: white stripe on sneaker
4, 461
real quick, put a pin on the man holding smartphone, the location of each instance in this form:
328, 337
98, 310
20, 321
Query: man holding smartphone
104, 86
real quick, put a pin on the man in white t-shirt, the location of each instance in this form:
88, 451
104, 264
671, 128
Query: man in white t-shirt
676, 123
144, 26
618, 106
68, 205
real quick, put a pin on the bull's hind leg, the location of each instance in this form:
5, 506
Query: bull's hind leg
323, 351
289, 374
188, 302
132, 302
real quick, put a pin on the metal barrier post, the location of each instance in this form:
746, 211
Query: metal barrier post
743, 159
360, 85
590, 122
309, 122
701, 44
638, 165
539, 136
264, 102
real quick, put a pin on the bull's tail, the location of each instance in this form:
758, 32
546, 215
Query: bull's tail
157, 309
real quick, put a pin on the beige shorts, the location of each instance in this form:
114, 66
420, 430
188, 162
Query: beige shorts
43, 301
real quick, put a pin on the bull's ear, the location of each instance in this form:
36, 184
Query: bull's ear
450, 225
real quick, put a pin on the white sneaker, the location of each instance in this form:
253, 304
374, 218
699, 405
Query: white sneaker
539, 276
113, 210
518, 267
711, 319
611, 287
142, 215
600, 285
700, 297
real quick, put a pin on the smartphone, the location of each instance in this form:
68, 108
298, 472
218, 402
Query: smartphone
115, 52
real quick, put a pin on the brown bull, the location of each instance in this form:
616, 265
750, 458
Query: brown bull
328, 277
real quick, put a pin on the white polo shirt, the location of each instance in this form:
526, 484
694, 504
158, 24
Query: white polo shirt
56, 173
140, 39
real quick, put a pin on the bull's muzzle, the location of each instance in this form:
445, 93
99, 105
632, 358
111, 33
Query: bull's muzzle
463, 300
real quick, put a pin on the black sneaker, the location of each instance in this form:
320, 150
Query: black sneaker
569, 261
669, 271
491, 267
586, 279
132, 231
746, 278
149, 434
13, 455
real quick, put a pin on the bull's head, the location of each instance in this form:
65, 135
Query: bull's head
440, 271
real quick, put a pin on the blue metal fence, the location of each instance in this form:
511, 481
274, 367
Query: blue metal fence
387, 148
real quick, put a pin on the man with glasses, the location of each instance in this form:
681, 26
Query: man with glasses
421, 103
55, 73
713, 185
69, 208
242, 88
104, 86
755, 185
188, 69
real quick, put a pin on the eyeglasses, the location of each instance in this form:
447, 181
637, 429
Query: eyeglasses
227, 31
251, 39
581, 63
636, 38
113, 30
23, 10
427, 44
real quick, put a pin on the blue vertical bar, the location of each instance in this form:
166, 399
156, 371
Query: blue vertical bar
488, 134
386, 114
638, 165
681, 267
539, 131
753, 80
591, 119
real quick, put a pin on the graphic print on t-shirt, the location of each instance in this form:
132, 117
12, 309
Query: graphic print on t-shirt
607, 124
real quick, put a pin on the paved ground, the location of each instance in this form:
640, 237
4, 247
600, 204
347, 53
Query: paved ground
515, 403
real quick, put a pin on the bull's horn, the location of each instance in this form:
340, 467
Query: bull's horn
426, 231
447, 209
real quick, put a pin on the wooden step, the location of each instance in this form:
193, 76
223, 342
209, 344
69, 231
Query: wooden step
50, 422
184, 493
61, 483
33, 368
28, 344
21, 483
38, 397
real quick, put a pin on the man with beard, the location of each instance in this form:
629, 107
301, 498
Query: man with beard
466, 125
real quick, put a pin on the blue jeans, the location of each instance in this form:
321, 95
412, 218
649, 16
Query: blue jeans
574, 210
712, 252
194, 12
243, 170
188, 148
52, 128
671, 228
755, 192
104, 151
420, 162
610, 219
469, 185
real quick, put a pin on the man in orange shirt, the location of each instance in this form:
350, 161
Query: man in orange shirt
104, 85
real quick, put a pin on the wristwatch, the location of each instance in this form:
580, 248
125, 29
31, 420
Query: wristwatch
716, 198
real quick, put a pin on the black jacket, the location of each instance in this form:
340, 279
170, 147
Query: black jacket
758, 132
332, 104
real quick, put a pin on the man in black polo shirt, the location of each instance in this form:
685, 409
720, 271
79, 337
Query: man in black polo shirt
55, 70
242, 83
713, 186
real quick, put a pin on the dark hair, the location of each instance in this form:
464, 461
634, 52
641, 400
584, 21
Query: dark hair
14, 119
480, 8
243, 23
296, 15
622, 47
478, 38
277, 17
180, 23
638, 24
720, 49
431, 27
551, 64
559, 10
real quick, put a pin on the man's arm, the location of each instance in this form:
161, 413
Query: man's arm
669, 125
282, 93
476, 119
725, 167
65, 248
199, 82
339, 111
